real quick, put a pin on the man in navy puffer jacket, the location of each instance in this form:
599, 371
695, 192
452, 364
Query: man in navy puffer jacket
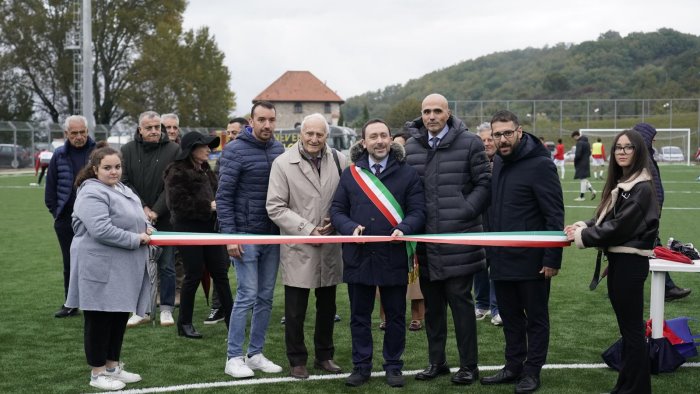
240, 204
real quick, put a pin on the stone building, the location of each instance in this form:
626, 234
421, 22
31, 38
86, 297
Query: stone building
297, 94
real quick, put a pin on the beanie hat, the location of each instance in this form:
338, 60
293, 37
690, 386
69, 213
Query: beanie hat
647, 131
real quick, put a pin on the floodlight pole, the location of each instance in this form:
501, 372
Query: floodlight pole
87, 103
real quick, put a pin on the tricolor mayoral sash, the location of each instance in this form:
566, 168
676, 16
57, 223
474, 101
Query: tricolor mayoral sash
382, 198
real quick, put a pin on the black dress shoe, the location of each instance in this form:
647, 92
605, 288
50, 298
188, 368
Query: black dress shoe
433, 371
503, 376
66, 312
299, 372
394, 378
465, 376
527, 384
676, 293
188, 331
328, 366
357, 378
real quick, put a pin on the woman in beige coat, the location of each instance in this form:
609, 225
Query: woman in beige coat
302, 183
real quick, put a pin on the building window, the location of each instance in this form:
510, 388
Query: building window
297, 108
327, 108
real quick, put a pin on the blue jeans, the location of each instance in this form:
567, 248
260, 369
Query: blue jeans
256, 274
166, 273
484, 292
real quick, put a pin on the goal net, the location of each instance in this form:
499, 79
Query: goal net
670, 145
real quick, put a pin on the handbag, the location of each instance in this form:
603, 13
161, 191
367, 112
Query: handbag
663, 357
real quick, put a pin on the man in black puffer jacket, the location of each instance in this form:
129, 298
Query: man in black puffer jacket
525, 196
144, 161
456, 177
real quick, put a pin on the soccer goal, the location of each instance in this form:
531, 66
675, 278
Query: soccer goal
670, 146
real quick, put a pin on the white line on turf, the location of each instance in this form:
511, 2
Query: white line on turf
248, 382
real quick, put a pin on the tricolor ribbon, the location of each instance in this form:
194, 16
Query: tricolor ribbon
529, 239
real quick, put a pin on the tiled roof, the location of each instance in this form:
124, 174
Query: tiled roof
298, 86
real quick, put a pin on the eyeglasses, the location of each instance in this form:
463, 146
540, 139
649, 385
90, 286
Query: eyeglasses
153, 127
627, 149
507, 134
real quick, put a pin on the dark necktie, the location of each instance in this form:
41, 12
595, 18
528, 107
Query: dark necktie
434, 142
377, 169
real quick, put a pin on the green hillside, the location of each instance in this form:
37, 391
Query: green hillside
662, 64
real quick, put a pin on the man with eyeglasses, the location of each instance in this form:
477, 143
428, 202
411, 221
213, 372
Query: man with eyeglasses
59, 195
171, 122
144, 160
525, 177
456, 176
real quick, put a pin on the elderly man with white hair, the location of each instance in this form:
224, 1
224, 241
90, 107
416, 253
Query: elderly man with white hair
59, 194
302, 183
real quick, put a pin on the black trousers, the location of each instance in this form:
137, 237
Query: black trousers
457, 293
361, 305
194, 259
103, 336
524, 308
296, 301
64, 233
626, 276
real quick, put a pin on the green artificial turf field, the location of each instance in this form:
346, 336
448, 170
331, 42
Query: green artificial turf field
39, 353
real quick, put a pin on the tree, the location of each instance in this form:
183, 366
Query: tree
405, 110
15, 101
34, 35
555, 83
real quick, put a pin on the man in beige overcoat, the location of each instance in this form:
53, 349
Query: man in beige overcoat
302, 184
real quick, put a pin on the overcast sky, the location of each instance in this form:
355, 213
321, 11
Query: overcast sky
361, 45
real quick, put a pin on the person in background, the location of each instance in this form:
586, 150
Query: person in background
190, 188
648, 132
559, 158
240, 204
144, 161
171, 122
108, 264
40, 164
413, 292
378, 161
598, 155
582, 164
625, 227
234, 127
302, 183
525, 195
484, 291
59, 195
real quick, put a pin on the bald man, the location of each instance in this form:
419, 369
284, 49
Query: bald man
456, 177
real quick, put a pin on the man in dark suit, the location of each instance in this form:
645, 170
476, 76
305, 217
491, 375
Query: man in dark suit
372, 265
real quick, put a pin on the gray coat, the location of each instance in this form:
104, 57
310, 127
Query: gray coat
298, 199
108, 262
456, 178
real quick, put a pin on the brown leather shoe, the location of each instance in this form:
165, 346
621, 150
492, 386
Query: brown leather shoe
328, 366
299, 372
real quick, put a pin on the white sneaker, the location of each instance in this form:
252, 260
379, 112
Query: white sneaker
121, 375
105, 382
579, 199
135, 320
496, 320
166, 318
481, 313
260, 362
236, 368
